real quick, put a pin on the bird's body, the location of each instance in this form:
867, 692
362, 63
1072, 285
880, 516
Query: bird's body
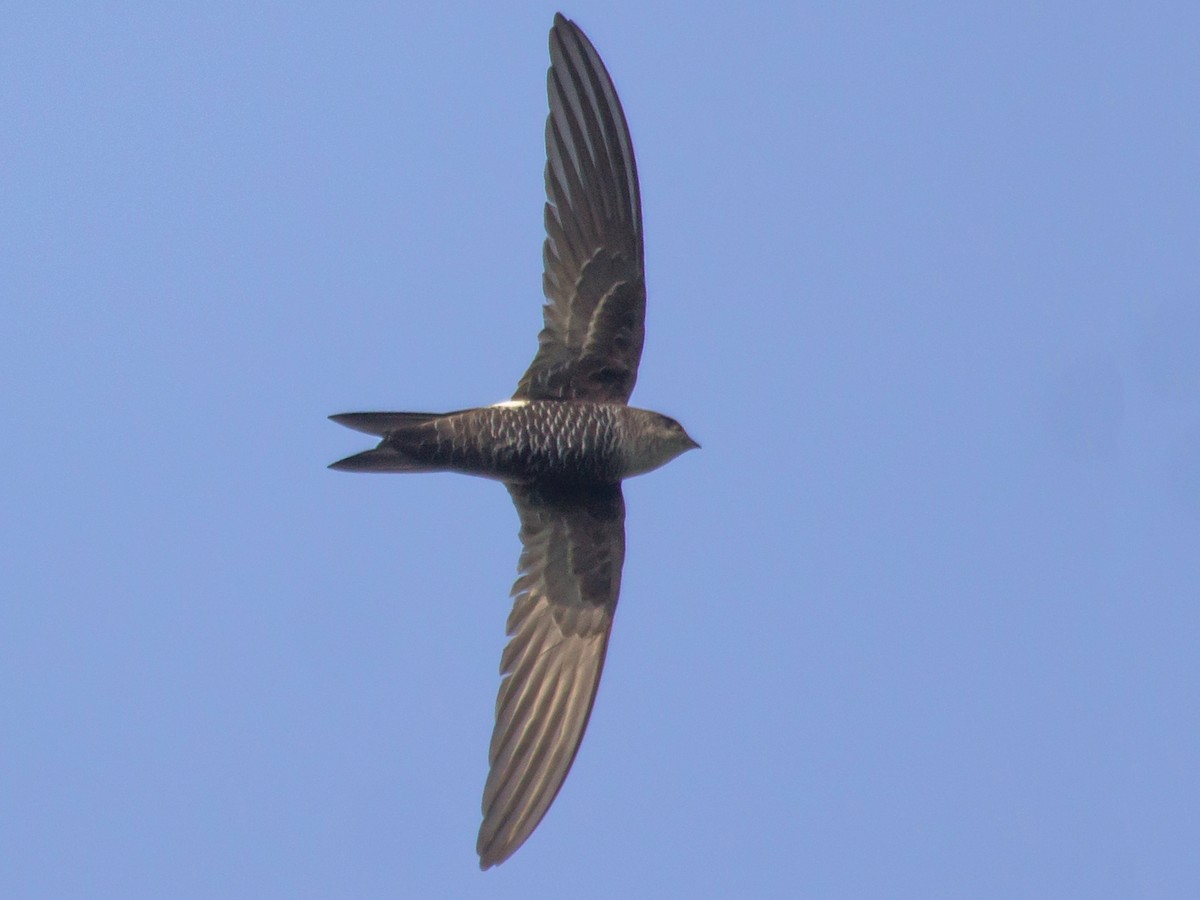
522, 442
562, 446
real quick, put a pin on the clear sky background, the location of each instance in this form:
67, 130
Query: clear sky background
922, 619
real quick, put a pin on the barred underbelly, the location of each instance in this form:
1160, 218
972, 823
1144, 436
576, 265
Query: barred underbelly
536, 440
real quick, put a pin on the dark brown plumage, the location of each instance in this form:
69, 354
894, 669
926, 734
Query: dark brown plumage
562, 446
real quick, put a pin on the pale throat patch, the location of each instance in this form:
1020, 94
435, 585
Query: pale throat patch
510, 404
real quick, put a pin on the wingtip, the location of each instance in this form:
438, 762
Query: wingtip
485, 846
562, 23
490, 857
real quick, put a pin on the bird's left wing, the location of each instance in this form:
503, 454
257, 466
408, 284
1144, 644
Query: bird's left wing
564, 600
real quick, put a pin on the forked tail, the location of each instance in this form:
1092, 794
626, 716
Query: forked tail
380, 423
386, 457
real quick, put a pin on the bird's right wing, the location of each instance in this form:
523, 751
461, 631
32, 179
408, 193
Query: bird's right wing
564, 599
594, 277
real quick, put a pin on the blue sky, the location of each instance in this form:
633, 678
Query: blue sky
921, 618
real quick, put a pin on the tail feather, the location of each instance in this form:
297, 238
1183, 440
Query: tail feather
380, 423
384, 458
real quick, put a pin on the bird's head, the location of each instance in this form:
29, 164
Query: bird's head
675, 436
656, 441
